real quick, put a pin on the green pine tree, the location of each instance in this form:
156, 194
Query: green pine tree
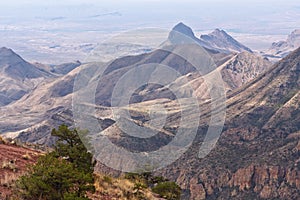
65, 173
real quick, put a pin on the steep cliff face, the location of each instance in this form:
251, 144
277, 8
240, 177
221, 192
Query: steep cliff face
250, 177
267, 181
263, 182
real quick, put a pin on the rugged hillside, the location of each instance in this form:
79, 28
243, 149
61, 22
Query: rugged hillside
276, 90
243, 68
50, 103
17, 77
14, 161
257, 155
281, 49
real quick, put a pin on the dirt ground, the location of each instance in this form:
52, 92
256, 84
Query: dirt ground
14, 161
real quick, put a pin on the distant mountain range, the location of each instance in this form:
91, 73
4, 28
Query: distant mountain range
53, 95
257, 155
218, 40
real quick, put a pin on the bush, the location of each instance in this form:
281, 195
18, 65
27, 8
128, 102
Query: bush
107, 179
10, 165
65, 173
168, 190
53, 178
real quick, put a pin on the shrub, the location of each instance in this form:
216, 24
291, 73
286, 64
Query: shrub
65, 173
9, 165
53, 178
26, 156
168, 190
107, 179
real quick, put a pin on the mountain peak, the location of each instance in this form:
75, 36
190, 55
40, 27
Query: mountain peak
184, 29
223, 41
6, 52
15, 66
183, 34
296, 32
218, 31
9, 57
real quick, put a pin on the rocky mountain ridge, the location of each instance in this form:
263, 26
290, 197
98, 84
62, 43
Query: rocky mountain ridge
256, 156
218, 40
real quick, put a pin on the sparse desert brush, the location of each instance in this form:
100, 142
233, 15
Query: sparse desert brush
8, 179
26, 156
168, 190
2, 141
9, 165
107, 179
122, 188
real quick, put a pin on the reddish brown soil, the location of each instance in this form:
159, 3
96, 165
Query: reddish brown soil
14, 161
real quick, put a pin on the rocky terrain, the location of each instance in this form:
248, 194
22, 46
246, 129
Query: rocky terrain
49, 103
257, 155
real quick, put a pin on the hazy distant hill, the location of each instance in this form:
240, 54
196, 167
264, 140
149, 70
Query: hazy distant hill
217, 40
281, 49
17, 77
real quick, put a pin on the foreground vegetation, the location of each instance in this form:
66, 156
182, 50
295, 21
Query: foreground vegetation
67, 173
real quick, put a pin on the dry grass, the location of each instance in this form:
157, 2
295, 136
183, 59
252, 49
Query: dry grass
120, 189
26, 156
14, 162
8, 179
2, 141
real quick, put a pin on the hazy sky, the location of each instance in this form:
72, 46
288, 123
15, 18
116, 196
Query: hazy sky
241, 16
58, 30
